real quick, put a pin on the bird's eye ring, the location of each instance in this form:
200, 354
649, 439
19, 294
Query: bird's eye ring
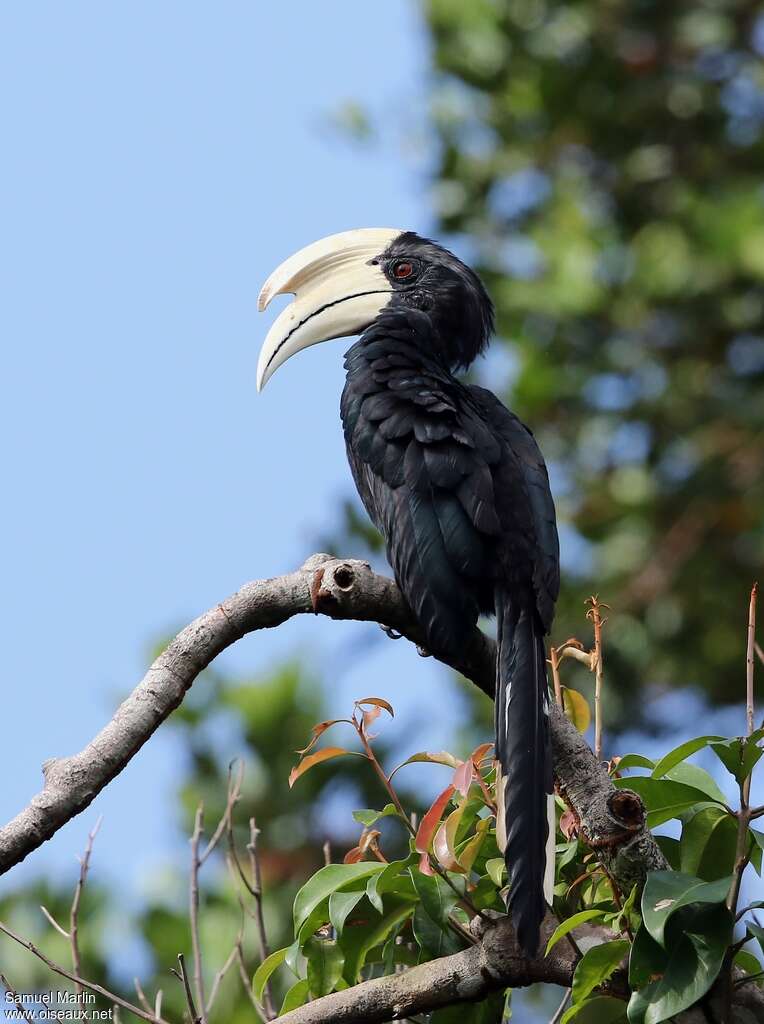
403, 269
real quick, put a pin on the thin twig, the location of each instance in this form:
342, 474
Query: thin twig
257, 894
221, 974
15, 997
554, 661
54, 922
93, 986
182, 974
749, 709
246, 981
561, 1008
141, 996
74, 913
234, 792
594, 614
193, 902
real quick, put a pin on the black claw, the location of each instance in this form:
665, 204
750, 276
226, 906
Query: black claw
392, 634
422, 652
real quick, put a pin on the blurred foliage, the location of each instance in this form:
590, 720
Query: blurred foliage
601, 164
264, 720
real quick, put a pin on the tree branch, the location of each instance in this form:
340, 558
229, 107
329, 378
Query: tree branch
495, 963
611, 821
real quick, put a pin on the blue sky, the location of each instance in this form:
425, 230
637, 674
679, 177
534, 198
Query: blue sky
159, 160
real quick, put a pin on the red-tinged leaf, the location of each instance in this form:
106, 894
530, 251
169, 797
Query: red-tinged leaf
479, 753
424, 865
318, 730
444, 843
430, 821
353, 856
370, 716
568, 823
463, 777
377, 702
312, 759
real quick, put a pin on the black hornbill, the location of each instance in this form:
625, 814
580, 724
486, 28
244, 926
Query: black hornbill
455, 483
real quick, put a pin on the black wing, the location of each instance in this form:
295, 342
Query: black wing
453, 481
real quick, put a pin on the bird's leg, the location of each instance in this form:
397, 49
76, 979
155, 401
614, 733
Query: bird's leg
393, 634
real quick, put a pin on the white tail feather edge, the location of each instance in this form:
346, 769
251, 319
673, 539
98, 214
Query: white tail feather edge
501, 833
501, 813
551, 842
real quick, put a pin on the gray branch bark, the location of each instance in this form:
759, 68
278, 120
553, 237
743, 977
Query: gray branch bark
495, 963
612, 821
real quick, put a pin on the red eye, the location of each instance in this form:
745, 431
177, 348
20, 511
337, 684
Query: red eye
403, 269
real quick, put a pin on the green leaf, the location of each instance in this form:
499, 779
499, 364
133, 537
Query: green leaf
740, 755
292, 958
758, 849
368, 817
681, 752
596, 966
756, 932
326, 881
635, 761
487, 1011
576, 708
666, 892
434, 939
437, 899
395, 878
357, 942
698, 942
296, 996
569, 924
747, 962
663, 798
341, 904
265, 970
599, 1010
670, 848
325, 962
496, 870
693, 775
708, 844
485, 896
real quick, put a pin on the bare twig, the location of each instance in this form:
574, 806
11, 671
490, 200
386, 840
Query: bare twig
235, 782
554, 661
16, 1001
595, 614
749, 709
182, 975
142, 996
216, 981
74, 913
51, 919
246, 981
93, 986
257, 894
561, 1008
193, 901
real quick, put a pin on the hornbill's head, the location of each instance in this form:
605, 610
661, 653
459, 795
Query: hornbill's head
342, 283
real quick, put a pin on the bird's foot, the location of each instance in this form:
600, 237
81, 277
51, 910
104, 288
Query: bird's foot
391, 633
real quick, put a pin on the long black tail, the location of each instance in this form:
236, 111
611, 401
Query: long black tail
524, 755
